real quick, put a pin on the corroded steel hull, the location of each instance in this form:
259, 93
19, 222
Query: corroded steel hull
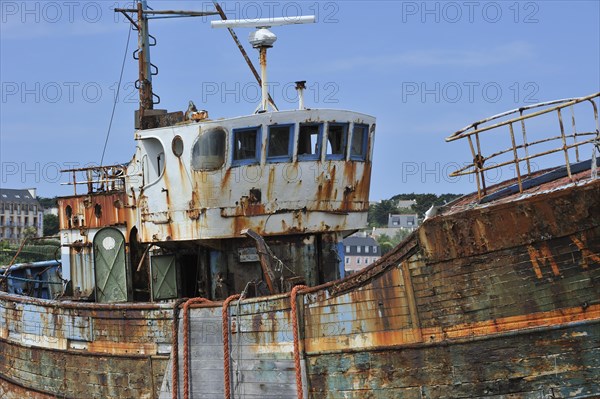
75, 350
501, 300
495, 301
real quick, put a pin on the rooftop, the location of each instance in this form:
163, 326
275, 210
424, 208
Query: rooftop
17, 195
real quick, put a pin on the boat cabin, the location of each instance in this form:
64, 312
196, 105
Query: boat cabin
175, 221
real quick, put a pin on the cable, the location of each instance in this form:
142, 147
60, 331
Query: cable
116, 96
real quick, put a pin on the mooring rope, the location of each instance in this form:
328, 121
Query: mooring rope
226, 354
298, 368
175, 349
186, 343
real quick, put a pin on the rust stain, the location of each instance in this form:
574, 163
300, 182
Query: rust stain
585, 252
271, 184
436, 335
93, 210
194, 210
170, 209
225, 180
122, 348
542, 255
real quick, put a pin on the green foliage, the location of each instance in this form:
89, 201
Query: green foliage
34, 251
388, 243
30, 232
378, 213
386, 247
50, 225
48, 202
424, 201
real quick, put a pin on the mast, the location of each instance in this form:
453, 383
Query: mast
146, 116
145, 75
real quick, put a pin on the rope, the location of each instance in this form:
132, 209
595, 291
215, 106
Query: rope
175, 349
226, 354
299, 390
112, 116
186, 343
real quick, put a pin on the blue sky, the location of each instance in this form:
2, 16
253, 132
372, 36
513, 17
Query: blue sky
424, 69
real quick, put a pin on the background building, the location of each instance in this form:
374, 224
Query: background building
410, 221
360, 251
20, 213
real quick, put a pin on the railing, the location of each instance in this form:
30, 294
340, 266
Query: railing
97, 178
521, 150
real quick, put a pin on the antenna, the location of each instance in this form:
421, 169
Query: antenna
262, 39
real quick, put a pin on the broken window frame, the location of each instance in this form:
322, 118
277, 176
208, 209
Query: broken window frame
197, 155
246, 161
345, 129
290, 149
365, 136
317, 154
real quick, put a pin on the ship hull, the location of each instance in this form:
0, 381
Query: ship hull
497, 301
501, 300
76, 350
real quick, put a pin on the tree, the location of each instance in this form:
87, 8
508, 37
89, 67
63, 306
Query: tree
30, 232
50, 225
424, 201
378, 213
387, 243
48, 202
386, 247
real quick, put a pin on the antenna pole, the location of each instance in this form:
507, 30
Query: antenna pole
263, 77
145, 76
262, 39
244, 54
142, 54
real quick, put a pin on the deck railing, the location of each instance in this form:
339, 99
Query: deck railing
524, 151
97, 178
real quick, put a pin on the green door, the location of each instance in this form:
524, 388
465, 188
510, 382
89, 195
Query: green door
164, 277
110, 268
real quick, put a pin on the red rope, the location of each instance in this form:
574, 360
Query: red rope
299, 389
175, 349
226, 354
186, 342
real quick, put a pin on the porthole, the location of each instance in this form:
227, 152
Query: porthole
177, 146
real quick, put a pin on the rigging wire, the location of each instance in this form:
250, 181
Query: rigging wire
116, 96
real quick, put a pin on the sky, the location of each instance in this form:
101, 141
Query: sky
423, 69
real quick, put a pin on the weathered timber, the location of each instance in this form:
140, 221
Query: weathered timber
111, 351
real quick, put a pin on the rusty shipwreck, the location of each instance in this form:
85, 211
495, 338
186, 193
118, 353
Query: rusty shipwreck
211, 265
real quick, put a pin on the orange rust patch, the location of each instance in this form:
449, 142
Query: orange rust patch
111, 210
542, 255
122, 348
515, 323
375, 340
585, 252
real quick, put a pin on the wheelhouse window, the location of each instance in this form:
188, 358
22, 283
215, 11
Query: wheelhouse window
337, 136
208, 152
246, 146
309, 141
358, 148
280, 143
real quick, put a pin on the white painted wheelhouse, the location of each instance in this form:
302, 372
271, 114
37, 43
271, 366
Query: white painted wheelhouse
277, 173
